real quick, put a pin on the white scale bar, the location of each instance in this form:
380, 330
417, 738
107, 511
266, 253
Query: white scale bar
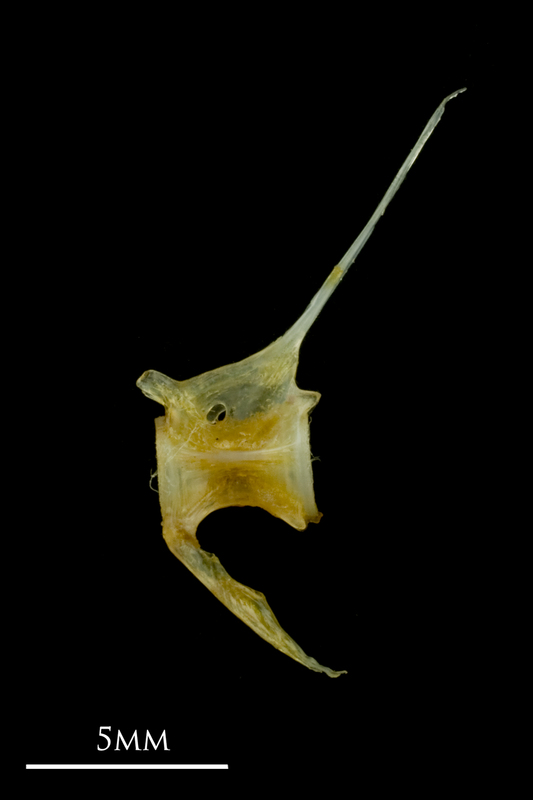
126, 766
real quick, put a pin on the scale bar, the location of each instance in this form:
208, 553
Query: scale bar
126, 766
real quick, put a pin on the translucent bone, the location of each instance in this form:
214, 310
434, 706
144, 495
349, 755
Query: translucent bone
239, 436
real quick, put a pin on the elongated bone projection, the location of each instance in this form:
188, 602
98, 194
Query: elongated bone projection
239, 436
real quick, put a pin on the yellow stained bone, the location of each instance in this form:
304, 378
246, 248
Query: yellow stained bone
239, 436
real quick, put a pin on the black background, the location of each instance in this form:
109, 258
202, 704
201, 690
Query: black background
190, 202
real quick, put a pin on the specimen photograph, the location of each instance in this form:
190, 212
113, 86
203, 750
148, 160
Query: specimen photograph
246, 348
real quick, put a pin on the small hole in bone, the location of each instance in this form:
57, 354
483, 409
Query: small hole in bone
217, 413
